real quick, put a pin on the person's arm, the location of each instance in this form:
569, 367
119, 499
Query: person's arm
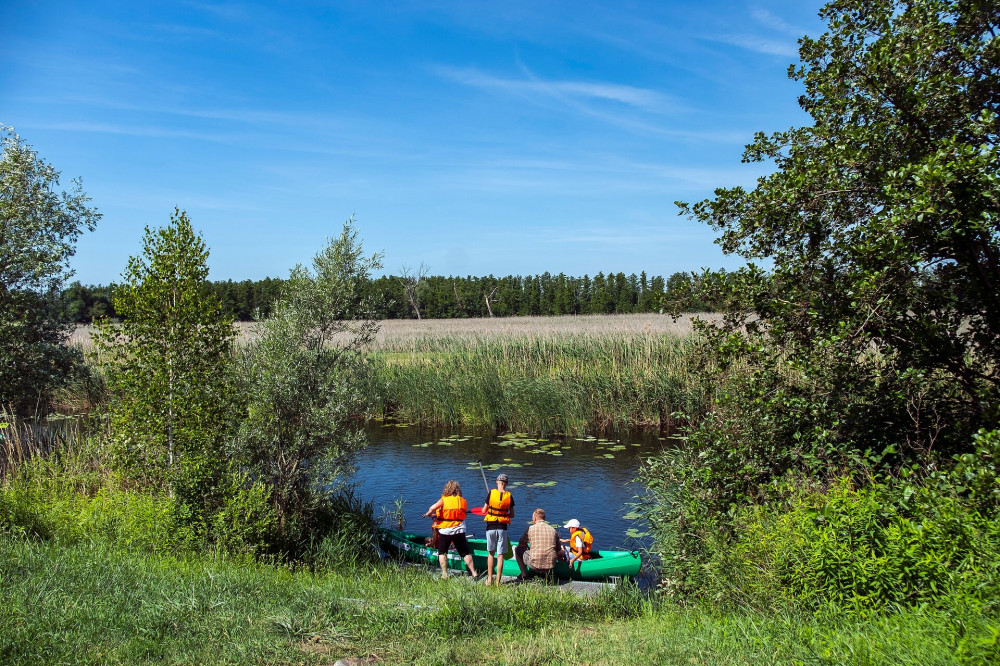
524, 540
434, 507
512, 508
486, 506
578, 542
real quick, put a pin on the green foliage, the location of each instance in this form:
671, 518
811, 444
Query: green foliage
39, 506
923, 539
246, 522
86, 304
882, 222
300, 382
859, 368
349, 530
39, 227
864, 550
516, 295
166, 365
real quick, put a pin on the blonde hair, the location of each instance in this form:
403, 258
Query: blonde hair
539, 513
451, 488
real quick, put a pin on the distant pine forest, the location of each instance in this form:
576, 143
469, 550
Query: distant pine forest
438, 297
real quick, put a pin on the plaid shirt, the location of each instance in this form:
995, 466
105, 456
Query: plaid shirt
543, 543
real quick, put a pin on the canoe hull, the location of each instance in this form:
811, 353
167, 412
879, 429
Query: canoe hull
606, 564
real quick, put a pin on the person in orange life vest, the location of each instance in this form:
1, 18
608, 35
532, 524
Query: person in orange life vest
449, 513
498, 511
579, 542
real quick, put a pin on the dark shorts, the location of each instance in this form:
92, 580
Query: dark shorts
461, 545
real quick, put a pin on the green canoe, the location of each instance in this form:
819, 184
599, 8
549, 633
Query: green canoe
602, 564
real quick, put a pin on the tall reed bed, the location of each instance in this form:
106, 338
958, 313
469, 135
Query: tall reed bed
548, 383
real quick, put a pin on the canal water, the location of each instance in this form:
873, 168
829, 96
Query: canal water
588, 478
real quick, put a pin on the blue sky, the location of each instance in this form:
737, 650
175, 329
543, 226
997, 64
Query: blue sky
474, 137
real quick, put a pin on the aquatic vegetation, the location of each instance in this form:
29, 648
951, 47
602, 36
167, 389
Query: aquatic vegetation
538, 383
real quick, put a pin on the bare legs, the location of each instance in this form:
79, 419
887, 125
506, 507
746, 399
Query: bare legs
489, 568
443, 561
470, 566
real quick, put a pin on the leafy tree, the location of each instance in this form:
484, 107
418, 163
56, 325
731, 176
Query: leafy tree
39, 227
872, 345
883, 224
302, 378
167, 364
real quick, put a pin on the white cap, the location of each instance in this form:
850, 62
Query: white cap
573, 523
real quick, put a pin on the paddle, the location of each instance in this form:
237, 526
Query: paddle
478, 510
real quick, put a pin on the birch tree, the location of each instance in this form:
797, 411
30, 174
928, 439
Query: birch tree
166, 361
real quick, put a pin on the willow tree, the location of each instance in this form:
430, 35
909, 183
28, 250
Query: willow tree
302, 380
166, 361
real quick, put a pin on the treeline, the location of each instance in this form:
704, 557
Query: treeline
439, 297
85, 303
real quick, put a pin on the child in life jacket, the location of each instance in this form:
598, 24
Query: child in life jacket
579, 542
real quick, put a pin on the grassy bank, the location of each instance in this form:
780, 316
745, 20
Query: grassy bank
89, 604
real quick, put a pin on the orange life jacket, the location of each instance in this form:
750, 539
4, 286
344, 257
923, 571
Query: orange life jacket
498, 507
585, 536
452, 512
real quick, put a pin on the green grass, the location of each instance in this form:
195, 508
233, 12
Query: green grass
539, 383
89, 604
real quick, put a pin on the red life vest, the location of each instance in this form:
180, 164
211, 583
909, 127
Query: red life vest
585, 536
498, 507
452, 512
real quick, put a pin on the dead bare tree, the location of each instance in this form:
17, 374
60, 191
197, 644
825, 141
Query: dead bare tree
488, 297
411, 284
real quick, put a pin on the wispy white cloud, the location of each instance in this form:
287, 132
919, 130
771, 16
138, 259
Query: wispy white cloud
783, 43
760, 44
179, 32
776, 23
128, 130
641, 98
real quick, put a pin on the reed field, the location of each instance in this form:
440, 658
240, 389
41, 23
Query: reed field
395, 333
553, 383
537, 374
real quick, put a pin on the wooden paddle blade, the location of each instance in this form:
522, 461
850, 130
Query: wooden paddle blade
478, 510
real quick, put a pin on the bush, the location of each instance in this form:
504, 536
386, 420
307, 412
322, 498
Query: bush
862, 550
